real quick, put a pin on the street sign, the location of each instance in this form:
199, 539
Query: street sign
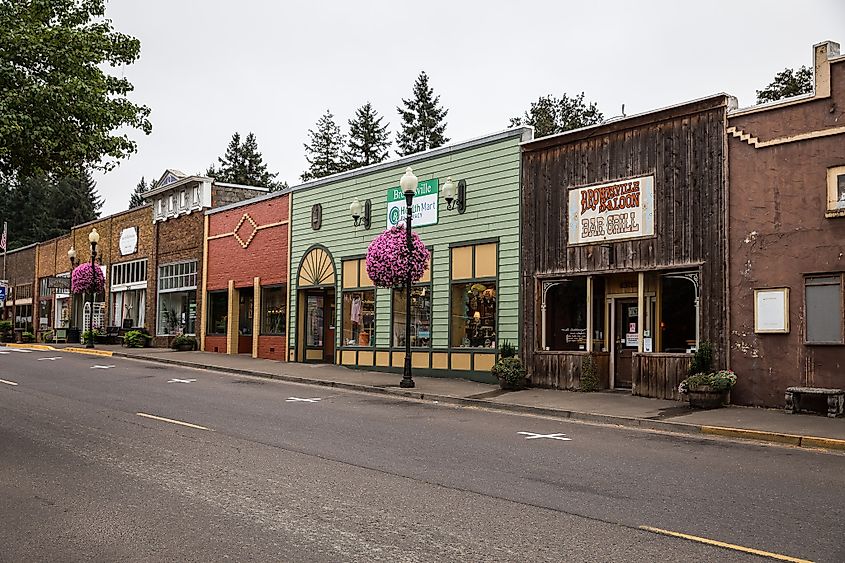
2, 292
425, 205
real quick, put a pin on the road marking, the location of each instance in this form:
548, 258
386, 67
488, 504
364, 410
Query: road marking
177, 380
557, 436
101, 367
300, 400
8, 382
743, 549
4, 352
171, 421
53, 359
21, 350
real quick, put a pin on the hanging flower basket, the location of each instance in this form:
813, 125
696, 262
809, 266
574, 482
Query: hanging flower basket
388, 259
86, 278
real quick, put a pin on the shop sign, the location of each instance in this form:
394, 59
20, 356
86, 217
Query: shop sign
425, 204
615, 211
128, 241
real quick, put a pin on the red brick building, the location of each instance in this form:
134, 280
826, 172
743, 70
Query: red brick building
787, 239
245, 278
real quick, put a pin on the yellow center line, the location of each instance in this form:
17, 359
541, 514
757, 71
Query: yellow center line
7, 382
170, 420
751, 550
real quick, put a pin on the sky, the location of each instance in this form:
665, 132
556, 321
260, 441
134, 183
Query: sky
208, 69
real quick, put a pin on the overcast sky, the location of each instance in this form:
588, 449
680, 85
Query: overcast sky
208, 69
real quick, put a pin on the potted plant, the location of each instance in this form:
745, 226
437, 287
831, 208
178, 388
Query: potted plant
135, 339
709, 390
509, 369
184, 343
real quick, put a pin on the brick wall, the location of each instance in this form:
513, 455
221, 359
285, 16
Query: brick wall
271, 347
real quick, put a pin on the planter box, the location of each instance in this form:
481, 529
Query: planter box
705, 397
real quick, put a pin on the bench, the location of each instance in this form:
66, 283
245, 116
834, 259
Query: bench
835, 399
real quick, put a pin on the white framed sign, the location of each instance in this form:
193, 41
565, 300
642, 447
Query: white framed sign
128, 241
771, 310
424, 206
618, 210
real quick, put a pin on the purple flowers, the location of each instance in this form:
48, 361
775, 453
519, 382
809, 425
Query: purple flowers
86, 278
388, 258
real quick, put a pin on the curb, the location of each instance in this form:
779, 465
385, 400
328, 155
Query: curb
683, 428
29, 346
88, 351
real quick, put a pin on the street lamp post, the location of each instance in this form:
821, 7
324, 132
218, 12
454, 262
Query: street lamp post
93, 238
409, 188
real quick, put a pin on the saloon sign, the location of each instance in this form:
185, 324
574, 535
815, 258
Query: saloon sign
619, 210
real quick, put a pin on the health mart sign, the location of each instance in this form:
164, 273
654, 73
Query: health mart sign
425, 204
616, 211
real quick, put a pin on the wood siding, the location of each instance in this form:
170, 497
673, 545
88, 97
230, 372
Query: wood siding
658, 375
562, 370
684, 148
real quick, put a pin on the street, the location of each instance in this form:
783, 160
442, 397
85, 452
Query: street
110, 459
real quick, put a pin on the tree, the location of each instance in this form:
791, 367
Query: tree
59, 109
368, 138
550, 115
137, 199
243, 164
325, 153
786, 84
423, 125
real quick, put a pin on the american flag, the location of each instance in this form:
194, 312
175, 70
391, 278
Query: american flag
3, 238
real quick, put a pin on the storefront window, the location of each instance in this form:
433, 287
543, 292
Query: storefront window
45, 309
128, 308
823, 296
566, 315
678, 319
474, 315
23, 317
218, 305
420, 317
314, 325
177, 312
273, 310
359, 318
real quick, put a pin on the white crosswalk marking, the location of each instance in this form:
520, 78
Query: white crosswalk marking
534, 436
300, 400
101, 367
177, 380
53, 359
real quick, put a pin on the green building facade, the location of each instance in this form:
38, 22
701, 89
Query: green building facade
468, 302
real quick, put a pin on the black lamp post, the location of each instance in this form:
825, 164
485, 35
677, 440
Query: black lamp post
409, 188
93, 238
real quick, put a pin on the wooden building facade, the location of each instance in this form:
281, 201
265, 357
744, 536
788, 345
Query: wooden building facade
624, 249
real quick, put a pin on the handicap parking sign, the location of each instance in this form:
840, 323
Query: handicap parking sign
2, 292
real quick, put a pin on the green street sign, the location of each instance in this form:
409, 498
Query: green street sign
424, 206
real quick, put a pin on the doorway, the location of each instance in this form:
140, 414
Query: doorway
318, 323
625, 340
246, 309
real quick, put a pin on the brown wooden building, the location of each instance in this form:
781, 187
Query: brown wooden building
624, 249
19, 273
787, 239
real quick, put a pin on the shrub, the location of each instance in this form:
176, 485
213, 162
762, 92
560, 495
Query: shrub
721, 380
507, 350
86, 334
589, 376
27, 336
510, 372
6, 331
702, 360
135, 339
183, 340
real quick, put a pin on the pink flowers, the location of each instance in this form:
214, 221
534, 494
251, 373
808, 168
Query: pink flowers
388, 258
85, 278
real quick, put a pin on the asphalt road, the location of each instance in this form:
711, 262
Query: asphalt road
358, 477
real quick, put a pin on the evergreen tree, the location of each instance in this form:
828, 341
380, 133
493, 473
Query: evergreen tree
550, 115
325, 153
423, 124
243, 164
787, 84
137, 199
368, 138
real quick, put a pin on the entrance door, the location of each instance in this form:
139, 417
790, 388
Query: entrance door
318, 323
329, 320
246, 304
626, 330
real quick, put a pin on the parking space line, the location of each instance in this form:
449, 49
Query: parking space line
171, 421
724, 545
8, 382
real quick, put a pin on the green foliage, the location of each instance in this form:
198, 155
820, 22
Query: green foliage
550, 115
136, 199
507, 350
135, 339
702, 360
243, 164
510, 372
59, 109
368, 138
27, 336
45, 206
325, 153
184, 340
589, 375
721, 380
6, 328
423, 125
86, 334
786, 84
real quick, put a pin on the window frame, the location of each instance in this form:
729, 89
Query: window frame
358, 288
832, 192
428, 285
263, 288
807, 278
209, 298
176, 276
469, 281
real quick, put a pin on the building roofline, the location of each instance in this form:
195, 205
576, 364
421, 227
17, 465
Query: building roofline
27, 247
250, 201
630, 121
180, 182
107, 218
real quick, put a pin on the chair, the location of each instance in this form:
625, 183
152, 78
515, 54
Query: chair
60, 335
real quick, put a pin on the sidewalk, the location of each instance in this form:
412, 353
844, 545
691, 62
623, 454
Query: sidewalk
618, 408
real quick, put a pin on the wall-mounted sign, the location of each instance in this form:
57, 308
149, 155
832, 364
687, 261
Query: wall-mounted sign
771, 310
425, 205
128, 241
615, 211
